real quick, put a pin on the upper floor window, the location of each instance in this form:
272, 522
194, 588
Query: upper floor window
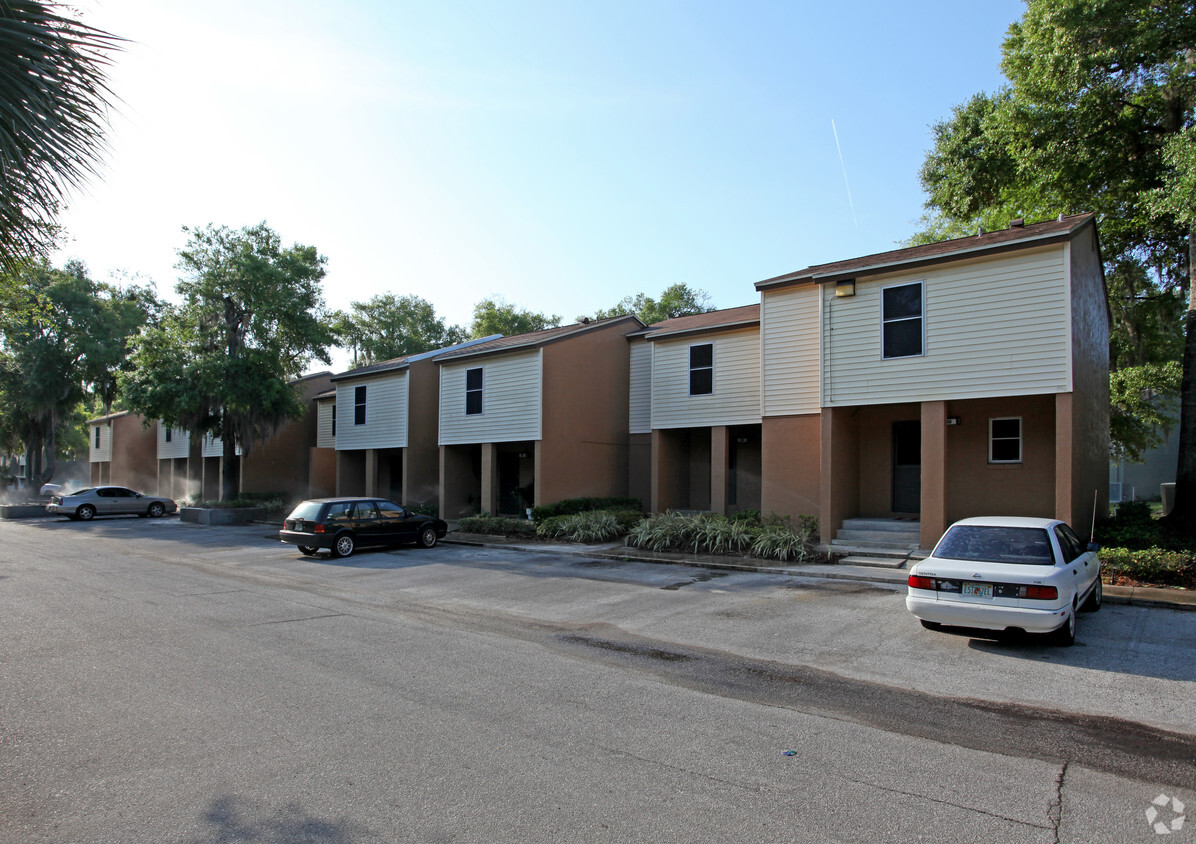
901, 321
1005, 440
334, 419
169, 431
701, 369
473, 391
359, 405
97, 436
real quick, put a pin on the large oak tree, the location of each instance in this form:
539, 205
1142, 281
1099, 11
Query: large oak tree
222, 362
1100, 97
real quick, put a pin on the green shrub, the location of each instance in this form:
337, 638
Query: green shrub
1155, 566
1135, 528
272, 501
573, 506
715, 534
752, 517
594, 526
496, 526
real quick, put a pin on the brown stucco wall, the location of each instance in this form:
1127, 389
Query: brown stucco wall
421, 466
840, 484
281, 463
350, 472
461, 468
790, 465
876, 456
584, 449
639, 468
134, 454
322, 478
977, 488
1089, 403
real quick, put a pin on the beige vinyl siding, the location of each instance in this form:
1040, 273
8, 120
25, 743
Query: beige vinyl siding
214, 447
179, 444
103, 454
385, 413
993, 327
640, 417
511, 400
736, 396
789, 320
324, 437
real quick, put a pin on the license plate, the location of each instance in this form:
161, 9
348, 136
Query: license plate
298, 524
978, 590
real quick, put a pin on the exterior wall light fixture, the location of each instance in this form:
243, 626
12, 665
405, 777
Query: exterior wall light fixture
843, 289
952, 420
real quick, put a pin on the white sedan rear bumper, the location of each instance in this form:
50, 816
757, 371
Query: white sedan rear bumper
966, 614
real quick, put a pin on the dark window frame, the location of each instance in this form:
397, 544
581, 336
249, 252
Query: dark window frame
360, 396
98, 435
334, 419
701, 373
475, 395
891, 324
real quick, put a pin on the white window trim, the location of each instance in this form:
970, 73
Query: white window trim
689, 369
921, 317
1020, 437
481, 391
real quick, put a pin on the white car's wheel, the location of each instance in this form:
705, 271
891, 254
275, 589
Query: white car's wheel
1095, 598
1065, 636
86, 512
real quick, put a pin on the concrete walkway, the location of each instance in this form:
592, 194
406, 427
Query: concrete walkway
1142, 596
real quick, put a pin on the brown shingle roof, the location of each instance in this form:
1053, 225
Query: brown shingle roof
713, 320
532, 339
946, 250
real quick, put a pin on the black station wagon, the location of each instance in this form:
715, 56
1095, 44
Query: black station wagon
340, 525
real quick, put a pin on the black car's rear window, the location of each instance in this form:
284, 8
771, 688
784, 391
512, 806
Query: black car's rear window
306, 510
981, 543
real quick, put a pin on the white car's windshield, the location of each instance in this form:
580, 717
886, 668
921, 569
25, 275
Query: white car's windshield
991, 544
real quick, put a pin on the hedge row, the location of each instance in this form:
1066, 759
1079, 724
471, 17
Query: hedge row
1155, 566
715, 534
573, 506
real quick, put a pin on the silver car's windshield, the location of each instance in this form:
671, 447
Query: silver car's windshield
990, 544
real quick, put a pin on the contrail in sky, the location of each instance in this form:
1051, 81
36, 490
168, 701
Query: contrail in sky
850, 201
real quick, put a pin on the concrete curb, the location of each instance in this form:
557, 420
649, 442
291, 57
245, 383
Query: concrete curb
1138, 596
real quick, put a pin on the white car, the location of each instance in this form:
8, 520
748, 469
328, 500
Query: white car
1007, 573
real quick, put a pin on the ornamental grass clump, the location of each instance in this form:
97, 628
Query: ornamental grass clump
775, 539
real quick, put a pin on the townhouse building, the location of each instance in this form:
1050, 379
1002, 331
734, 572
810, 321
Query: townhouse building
935, 382
535, 418
121, 451
382, 422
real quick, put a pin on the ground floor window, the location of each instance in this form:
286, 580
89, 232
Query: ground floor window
1005, 440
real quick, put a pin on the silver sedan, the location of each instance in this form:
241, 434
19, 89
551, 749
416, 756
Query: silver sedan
86, 504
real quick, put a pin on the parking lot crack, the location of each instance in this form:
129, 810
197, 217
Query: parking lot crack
304, 618
941, 802
1056, 811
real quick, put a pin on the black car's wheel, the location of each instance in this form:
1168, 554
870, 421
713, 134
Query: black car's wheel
308, 550
344, 545
86, 512
427, 537
157, 510
1095, 598
930, 625
1065, 636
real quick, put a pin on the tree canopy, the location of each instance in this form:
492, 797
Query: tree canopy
251, 318
63, 340
54, 100
676, 300
495, 316
389, 326
1097, 115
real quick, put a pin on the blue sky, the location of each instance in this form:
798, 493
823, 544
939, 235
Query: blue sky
560, 155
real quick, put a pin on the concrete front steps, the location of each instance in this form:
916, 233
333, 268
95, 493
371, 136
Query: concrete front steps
886, 543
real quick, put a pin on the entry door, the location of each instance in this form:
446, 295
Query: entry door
508, 483
907, 466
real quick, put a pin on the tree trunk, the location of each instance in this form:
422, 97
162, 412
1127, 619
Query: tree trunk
1183, 515
228, 461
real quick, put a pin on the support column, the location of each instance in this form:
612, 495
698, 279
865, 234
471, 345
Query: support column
720, 455
657, 455
934, 472
538, 495
371, 472
1065, 496
489, 500
840, 476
